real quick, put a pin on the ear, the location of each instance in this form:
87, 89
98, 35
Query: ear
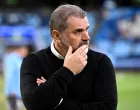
56, 35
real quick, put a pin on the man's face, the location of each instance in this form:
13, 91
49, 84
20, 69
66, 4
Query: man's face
76, 34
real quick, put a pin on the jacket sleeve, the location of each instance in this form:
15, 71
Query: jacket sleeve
48, 94
104, 87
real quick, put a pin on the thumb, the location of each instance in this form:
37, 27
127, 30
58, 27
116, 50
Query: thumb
69, 52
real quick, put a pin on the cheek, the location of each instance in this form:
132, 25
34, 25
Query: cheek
73, 40
75, 43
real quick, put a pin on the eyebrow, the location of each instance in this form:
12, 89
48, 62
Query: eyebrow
87, 27
80, 29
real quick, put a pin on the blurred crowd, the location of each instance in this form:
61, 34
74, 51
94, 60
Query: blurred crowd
118, 36
26, 17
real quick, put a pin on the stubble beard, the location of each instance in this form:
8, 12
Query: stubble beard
65, 45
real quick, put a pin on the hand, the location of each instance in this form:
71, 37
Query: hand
39, 81
76, 61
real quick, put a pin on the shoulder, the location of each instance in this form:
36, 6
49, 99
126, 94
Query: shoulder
42, 52
97, 56
99, 60
33, 56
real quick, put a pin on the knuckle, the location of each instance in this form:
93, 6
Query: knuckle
83, 63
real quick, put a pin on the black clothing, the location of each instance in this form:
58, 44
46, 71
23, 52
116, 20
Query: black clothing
12, 102
92, 89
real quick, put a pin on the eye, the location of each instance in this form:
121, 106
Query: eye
79, 30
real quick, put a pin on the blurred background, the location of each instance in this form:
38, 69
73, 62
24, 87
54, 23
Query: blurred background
114, 30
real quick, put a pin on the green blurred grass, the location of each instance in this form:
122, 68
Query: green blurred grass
128, 91
2, 97
128, 85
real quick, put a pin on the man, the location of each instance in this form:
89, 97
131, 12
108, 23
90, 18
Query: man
12, 63
67, 75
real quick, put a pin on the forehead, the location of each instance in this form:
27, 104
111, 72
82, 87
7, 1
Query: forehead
76, 22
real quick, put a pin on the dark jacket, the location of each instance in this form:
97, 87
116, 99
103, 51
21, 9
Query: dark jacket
92, 89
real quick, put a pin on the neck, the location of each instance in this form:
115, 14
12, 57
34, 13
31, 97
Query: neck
59, 49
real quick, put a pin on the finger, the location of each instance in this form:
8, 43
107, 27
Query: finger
40, 80
80, 49
86, 63
43, 78
86, 57
38, 83
69, 51
84, 53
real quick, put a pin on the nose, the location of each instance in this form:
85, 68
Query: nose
85, 36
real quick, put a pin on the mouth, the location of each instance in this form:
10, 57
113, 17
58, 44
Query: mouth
81, 44
84, 43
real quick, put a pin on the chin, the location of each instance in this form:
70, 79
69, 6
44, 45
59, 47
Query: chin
74, 50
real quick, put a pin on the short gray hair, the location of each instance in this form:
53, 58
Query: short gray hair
58, 19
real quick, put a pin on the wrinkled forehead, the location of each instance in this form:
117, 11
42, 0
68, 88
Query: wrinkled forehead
77, 22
